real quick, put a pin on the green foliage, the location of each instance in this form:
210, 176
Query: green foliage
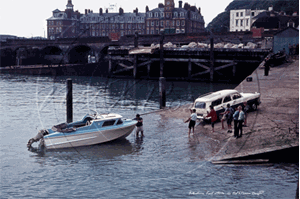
221, 22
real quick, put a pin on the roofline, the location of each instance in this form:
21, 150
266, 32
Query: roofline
286, 29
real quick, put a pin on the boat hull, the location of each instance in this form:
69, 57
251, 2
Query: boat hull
67, 140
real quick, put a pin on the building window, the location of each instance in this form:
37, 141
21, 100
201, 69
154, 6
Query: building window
157, 23
237, 14
242, 22
182, 23
252, 14
167, 23
247, 22
241, 14
152, 23
236, 22
181, 14
175, 14
147, 23
162, 23
162, 14
156, 14
178, 23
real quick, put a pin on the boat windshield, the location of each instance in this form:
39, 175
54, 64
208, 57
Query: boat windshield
200, 105
108, 123
120, 121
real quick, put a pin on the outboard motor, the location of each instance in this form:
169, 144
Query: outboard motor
39, 136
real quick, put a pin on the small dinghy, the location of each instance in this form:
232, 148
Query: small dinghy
92, 129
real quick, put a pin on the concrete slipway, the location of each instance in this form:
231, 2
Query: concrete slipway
272, 132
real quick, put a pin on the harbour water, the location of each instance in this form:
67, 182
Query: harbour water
163, 164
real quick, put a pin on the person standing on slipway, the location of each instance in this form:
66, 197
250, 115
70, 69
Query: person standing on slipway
192, 119
139, 125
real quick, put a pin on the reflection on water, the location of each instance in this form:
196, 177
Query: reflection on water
107, 150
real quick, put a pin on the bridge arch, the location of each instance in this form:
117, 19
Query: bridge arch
80, 53
7, 57
53, 55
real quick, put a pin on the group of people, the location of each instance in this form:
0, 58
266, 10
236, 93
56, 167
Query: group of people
239, 116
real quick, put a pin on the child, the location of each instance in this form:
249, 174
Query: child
192, 119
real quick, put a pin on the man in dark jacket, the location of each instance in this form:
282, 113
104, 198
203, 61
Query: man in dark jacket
139, 125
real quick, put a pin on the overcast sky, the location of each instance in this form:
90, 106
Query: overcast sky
27, 18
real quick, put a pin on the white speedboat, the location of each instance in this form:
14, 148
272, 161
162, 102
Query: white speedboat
92, 129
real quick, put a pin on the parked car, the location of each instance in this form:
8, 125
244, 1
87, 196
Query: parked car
220, 99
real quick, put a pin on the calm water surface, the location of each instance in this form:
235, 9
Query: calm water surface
164, 164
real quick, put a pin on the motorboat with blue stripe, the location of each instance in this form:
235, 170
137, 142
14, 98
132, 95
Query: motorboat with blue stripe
91, 129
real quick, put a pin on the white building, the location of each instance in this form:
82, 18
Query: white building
241, 20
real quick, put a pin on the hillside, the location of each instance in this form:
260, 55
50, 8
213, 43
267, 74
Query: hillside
221, 22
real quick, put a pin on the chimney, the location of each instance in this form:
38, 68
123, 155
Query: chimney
89, 11
106, 11
85, 11
160, 5
147, 9
100, 11
180, 4
199, 10
136, 11
121, 11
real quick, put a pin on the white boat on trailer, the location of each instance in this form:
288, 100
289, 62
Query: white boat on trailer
92, 129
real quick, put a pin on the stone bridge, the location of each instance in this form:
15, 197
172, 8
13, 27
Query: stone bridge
79, 50
70, 50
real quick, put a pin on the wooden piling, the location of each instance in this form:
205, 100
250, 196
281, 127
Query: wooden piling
135, 60
135, 66
189, 69
109, 66
69, 104
212, 59
162, 92
148, 70
161, 48
233, 70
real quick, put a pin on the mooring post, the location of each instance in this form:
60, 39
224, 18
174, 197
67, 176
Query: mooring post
109, 66
234, 70
148, 70
162, 80
161, 48
69, 101
135, 57
212, 59
189, 69
162, 92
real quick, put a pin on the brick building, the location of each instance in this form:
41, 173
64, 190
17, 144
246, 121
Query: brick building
171, 20
167, 18
63, 23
